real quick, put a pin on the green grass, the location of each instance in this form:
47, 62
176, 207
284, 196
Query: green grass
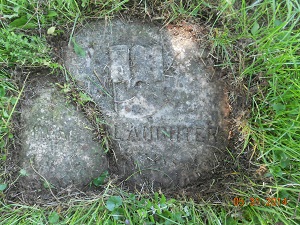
7, 103
258, 44
132, 211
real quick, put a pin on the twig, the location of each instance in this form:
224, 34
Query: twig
126, 100
77, 15
48, 184
18, 98
37, 16
101, 84
115, 98
297, 204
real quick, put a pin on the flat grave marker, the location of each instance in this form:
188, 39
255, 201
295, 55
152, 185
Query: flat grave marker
165, 113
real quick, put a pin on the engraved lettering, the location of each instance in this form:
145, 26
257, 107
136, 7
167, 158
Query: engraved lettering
164, 133
147, 64
212, 131
155, 62
133, 134
147, 133
119, 64
200, 135
150, 133
183, 133
116, 133
173, 133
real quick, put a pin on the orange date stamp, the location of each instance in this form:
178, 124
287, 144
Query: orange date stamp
268, 202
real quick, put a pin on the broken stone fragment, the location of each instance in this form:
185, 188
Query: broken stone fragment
57, 141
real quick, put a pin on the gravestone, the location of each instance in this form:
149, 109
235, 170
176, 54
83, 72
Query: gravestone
57, 141
163, 109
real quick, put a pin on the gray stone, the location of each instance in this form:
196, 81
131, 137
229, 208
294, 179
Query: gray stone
57, 141
165, 113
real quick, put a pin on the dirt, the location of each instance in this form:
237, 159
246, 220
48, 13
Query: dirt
229, 174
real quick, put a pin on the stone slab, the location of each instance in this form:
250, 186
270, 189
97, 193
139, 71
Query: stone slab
57, 141
165, 113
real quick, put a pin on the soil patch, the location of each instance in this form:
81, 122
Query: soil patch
167, 114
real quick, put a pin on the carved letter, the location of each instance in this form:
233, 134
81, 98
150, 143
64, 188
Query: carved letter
116, 132
147, 64
119, 64
147, 133
173, 133
200, 135
133, 134
183, 133
212, 131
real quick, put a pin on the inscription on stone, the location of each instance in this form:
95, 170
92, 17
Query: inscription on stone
163, 110
175, 133
57, 141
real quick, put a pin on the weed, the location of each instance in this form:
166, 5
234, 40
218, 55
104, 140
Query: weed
100, 180
8, 92
20, 49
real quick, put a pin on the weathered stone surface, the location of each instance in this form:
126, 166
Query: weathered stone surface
165, 113
58, 141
